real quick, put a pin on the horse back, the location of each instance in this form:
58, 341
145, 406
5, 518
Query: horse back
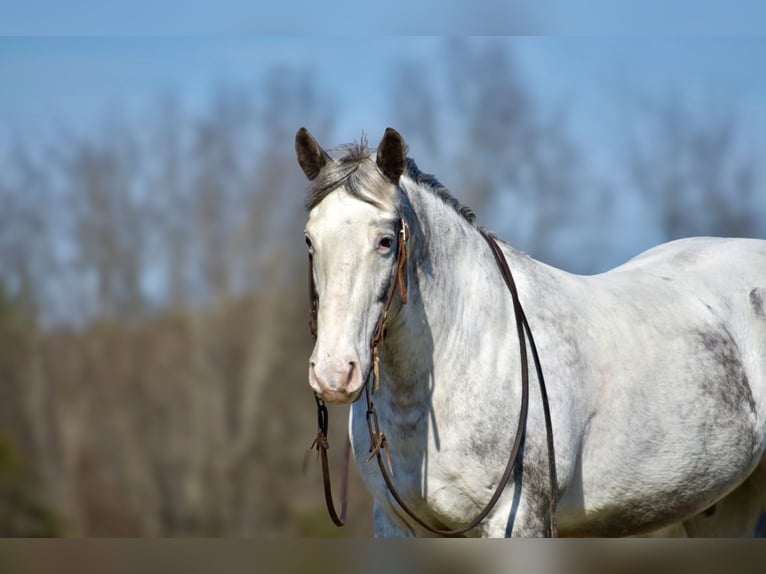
677, 362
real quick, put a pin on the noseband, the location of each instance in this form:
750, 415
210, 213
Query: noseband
377, 437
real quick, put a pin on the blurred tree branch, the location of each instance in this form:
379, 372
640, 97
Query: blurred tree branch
693, 170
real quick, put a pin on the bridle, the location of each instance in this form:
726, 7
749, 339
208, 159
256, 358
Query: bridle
378, 443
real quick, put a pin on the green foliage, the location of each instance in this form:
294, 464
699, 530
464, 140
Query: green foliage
22, 509
314, 523
22, 512
17, 322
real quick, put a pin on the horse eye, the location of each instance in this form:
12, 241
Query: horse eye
385, 242
308, 242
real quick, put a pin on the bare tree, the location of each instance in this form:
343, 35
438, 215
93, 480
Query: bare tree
414, 104
26, 254
693, 170
170, 201
107, 217
216, 183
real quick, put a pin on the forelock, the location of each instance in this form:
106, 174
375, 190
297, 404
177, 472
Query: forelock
356, 171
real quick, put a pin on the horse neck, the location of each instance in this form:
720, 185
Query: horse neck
452, 278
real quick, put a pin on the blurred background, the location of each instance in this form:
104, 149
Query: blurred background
153, 304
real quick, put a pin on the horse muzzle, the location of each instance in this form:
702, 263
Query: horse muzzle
336, 382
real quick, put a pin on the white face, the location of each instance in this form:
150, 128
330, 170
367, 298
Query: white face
354, 252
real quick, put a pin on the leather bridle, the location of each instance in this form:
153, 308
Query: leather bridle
378, 443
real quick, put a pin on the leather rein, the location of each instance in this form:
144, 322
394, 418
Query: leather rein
378, 444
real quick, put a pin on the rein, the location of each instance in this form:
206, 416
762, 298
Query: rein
378, 438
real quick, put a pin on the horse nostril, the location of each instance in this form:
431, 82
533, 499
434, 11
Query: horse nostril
352, 366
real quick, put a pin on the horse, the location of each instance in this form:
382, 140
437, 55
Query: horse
655, 371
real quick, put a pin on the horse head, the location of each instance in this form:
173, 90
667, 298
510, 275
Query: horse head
355, 235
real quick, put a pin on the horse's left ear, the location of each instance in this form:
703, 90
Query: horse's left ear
392, 155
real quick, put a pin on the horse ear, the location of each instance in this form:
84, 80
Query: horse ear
392, 155
310, 154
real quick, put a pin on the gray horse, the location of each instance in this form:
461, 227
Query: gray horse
655, 370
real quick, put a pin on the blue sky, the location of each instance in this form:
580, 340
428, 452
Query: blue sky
48, 83
586, 17
75, 80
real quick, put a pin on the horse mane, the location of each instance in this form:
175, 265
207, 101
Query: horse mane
355, 168
432, 184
